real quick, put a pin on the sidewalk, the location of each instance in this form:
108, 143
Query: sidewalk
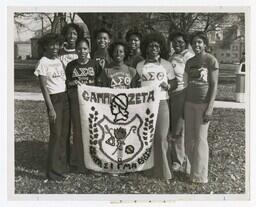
39, 97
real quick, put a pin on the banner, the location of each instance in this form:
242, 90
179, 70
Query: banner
118, 127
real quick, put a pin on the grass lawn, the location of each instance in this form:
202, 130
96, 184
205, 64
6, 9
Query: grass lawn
226, 165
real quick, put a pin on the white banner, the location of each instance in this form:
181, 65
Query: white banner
118, 127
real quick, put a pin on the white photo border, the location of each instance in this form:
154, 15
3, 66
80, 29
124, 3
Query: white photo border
118, 197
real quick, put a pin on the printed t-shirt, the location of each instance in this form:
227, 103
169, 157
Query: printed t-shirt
178, 62
54, 71
67, 55
85, 73
198, 68
120, 76
154, 73
133, 59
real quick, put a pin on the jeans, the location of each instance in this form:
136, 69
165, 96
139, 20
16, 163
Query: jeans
177, 103
196, 144
77, 147
59, 144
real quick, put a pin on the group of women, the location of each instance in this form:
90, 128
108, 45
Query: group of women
188, 82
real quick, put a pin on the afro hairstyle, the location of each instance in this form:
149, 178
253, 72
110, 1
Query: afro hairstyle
79, 30
154, 37
50, 38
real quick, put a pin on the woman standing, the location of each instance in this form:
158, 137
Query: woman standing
78, 72
155, 70
117, 74
133, 39
71, 32
202, 70
52, 79
178, 60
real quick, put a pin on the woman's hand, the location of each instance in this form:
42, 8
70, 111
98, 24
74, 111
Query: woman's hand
102, 63
74, 83
52, 115
207, 115
165, 86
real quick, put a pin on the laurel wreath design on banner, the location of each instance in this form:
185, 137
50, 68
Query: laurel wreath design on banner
94, 135
148, 129
148, 135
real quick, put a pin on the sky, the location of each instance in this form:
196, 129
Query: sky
31, 26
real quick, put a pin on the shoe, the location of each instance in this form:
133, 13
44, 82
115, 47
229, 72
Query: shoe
176, 167
196, 181
168, 181
53, 175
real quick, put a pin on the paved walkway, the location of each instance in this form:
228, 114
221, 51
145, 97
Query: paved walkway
39, 97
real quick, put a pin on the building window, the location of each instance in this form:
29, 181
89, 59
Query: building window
228, 55
235, 47
235, 55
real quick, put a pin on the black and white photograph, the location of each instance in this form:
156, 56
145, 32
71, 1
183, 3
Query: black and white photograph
130, 103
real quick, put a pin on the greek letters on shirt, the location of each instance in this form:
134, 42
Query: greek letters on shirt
120, 80
57, 73
151, 76
84, 74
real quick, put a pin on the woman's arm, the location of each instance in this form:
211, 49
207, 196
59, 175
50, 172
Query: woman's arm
47, 99
103, 80
136, 81
213, 83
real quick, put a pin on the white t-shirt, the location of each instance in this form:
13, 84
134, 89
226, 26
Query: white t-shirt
54, 71
178, 62
67, 55
153, 74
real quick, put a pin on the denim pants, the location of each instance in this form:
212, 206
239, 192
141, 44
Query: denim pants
177, 103
196, 143
58, 147
77, 147
161, 163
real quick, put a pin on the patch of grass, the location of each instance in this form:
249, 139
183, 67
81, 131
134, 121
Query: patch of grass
226, 164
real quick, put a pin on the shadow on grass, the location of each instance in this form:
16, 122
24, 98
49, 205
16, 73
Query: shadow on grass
30, 156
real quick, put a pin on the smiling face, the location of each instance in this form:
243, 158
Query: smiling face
82, 50
71, 37
198, 45
153, 50
134, 42
178, 44
119, 53
52, 50
103, 40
